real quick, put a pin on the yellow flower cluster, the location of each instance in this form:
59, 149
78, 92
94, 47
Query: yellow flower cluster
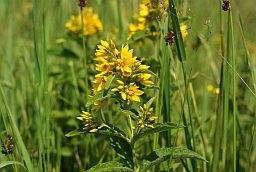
143, 20
213, 90
129, 73
146, 117
89, 122
144, 9
184, 30
92, 23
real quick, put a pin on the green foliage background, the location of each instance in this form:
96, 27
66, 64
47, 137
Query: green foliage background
42, 84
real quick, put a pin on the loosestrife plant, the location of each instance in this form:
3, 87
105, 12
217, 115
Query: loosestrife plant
146, 22
92, 23
122, 76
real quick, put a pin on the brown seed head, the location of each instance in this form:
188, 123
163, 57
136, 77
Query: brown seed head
169, 38
225, 5
82, 3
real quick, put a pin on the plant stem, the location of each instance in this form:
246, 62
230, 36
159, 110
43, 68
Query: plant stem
84, 56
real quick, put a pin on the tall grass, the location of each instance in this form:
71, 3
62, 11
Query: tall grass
42, 93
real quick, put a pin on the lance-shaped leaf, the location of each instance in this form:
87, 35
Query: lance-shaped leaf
109, 81
158, 127
150, 101
111, 166
160, 155
176, 28
75, 133
123, 148
104, 129
63, 52
129, 113
98, 97
137, 36
6, 163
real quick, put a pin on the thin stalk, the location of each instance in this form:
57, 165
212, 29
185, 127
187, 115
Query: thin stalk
37, 81
84, 56
120, 23
46, 95
234, 90
219, 113
186, 99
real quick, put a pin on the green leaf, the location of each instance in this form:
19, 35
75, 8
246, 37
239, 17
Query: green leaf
110, 130
129, 113
75, 133
158, 127
150, 101
160, 155
98, 97
137, 36
123, 148
62, 52
6, 163
176, 28
111, 166
109, 81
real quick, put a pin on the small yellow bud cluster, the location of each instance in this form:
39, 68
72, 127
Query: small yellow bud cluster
146, 117
92, 23
89, 122
213, 90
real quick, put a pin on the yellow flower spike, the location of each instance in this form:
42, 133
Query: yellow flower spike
135, 98
104, 43
123, 95
93, 130
80, 118
143, 11
132, 28
92, 23
127, 69
143, 67
184, 30
144, 107
213, 90
141, 19
150, 126
145, 76
114, 89
120, 82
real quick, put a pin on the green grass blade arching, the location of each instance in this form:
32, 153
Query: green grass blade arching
16, 133
182, 57
231, 29
37, 82
176, 28
46, 104
6, 163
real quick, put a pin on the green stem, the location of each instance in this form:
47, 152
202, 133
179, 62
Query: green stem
84, 56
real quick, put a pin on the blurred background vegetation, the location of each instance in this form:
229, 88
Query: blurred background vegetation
45, 102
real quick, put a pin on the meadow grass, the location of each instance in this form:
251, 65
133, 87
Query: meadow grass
46, 77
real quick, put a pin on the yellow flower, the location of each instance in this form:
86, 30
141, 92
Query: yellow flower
99, 83
143, 79
104, 67
213, 90
143, 10
92, 23
184, 30
90, 124
125, 63
128, 92
98, 104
